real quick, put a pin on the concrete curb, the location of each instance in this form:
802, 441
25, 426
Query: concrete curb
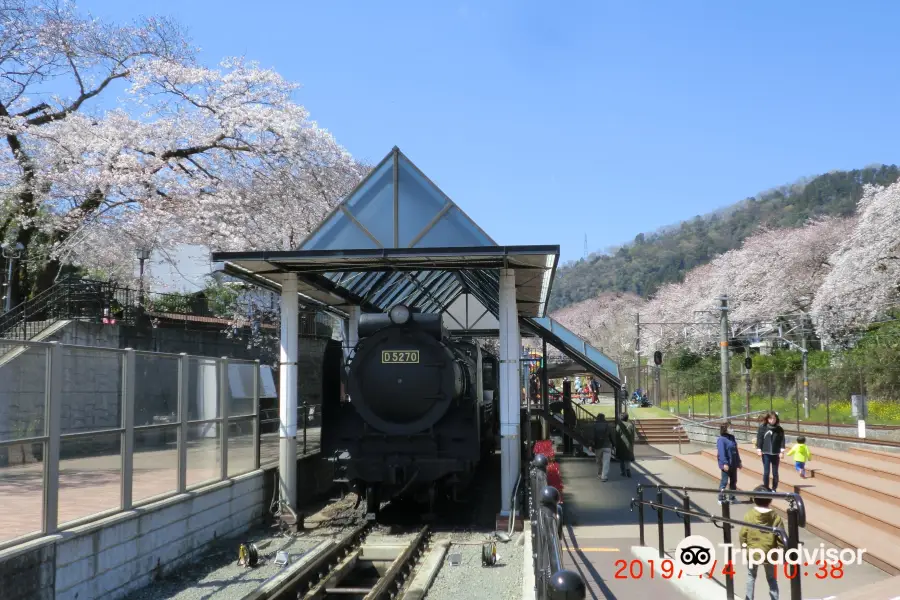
528, 583
430, 567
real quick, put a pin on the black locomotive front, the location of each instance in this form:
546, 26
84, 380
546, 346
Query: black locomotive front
420, 410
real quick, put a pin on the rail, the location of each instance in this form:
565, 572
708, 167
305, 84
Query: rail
552, 581
790, 539
680, 426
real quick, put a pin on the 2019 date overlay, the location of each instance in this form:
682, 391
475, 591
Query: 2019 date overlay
667, 569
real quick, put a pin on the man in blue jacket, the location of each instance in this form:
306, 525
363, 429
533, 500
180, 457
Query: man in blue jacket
729, 461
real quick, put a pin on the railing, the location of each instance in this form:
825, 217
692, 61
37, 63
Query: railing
309, 431
552, 582
705, 424
796, 514
99, 301
87, 432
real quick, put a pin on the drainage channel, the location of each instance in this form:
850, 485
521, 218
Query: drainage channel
359, 566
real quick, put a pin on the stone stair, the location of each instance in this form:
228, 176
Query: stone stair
659, 431
851, 500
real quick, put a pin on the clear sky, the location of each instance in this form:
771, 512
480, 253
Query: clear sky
548, 121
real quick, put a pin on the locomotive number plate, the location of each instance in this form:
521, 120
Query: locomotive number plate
399, 356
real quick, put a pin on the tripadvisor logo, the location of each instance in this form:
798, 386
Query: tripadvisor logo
696, 555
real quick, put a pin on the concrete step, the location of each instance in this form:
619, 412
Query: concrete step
893, 457
845, 489
822, 520
881, 467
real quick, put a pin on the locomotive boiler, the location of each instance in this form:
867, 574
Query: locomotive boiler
420, 413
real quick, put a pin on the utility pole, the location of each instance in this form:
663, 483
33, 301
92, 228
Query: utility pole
805, 372
723, 355
637, 349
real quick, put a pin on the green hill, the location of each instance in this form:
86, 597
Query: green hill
654, 259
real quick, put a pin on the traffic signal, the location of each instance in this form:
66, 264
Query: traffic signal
657, 358
748, 363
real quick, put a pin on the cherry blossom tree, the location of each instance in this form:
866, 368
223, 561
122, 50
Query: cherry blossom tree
606, 321
221, 156
864, 280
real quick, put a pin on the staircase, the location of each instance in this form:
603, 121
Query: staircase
852, 498
659, 431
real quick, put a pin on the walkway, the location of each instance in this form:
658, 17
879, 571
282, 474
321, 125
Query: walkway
92, 485
601, 530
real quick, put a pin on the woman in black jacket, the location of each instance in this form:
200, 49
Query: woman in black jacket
770, 446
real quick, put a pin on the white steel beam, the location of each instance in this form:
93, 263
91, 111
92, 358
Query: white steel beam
287, 394
510, 349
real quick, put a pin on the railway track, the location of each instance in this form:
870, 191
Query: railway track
361, 565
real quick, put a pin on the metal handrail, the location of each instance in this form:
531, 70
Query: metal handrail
796, 516
704, 423
552, 581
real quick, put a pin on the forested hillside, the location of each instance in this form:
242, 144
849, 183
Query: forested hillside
654, 259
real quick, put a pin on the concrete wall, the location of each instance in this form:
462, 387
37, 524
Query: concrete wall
112, 557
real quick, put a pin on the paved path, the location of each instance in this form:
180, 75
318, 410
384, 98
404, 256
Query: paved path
92, 485
601, 530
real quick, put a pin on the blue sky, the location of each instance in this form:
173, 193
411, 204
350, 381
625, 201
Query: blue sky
601, 118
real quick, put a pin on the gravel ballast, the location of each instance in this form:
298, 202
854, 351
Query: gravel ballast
471, 581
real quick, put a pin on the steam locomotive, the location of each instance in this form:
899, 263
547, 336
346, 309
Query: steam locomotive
421, 410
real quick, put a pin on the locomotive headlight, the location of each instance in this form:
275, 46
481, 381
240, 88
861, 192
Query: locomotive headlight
399, 315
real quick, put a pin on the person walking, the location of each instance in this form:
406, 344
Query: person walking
603, 443
625, 444
763, 541
729, 461
770, 447
801, 454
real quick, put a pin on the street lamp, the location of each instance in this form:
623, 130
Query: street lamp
11, 252
142, 255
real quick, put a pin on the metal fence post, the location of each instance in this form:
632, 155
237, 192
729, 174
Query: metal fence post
223, 410
793, 544
129, 372
256, 424
184, 392
53, 427
640, 497
659, 523
726, 537
687, 517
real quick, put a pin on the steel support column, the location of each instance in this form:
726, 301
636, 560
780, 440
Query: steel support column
287, 394
510, 402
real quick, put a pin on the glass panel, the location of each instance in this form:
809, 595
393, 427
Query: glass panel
339, 233
90, 476
91, 389
268, 436
156, 389
241, 437
21, 490
602, 360
155, 462
240, 380
309, 428
419, 200
390, 288
203, 453
373, 204
22, 392
203, 399
453, 230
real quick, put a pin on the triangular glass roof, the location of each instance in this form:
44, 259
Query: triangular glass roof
396, 206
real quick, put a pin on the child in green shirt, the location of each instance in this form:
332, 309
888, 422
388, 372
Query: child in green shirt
801, 455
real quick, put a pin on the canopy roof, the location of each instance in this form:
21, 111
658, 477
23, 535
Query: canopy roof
398, 239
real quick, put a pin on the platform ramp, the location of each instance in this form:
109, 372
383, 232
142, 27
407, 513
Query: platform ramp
573, 346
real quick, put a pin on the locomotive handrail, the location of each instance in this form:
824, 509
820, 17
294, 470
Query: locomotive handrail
552, 581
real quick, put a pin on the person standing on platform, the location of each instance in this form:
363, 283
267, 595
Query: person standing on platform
595, 390
603, 443
729, 461
625, 444
770, 447
761, 541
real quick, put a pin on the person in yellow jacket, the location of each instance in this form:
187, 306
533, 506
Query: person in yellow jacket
801, 455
